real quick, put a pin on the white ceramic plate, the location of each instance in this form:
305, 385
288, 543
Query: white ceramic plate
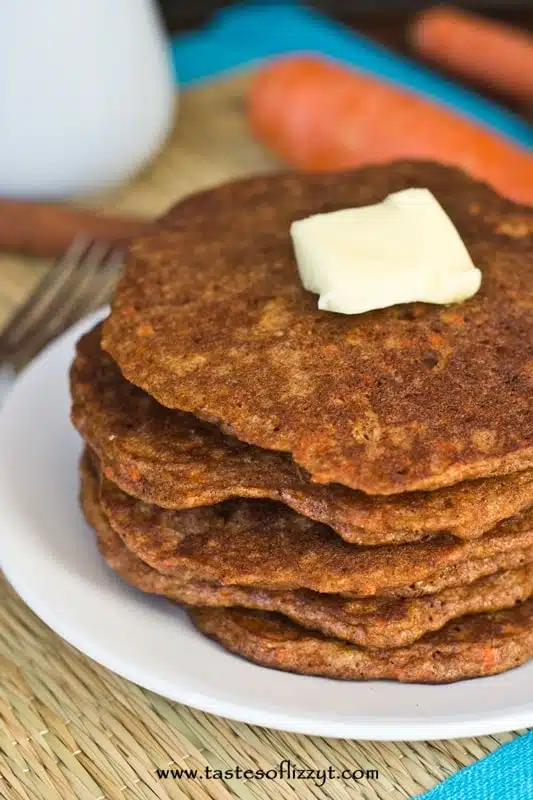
49, 555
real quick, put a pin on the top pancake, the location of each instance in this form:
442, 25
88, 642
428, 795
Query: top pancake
210, 317
174, 460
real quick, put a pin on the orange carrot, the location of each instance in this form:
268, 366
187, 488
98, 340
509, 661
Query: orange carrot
318, 115
483, 50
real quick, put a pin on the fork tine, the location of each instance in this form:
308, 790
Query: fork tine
96, 293
100, 270
54, 278
68, 295
78, 282
50, 313
109, 280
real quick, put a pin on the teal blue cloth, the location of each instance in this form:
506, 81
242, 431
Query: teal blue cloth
251, 32
507, 774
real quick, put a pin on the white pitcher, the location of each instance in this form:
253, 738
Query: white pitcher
86, 94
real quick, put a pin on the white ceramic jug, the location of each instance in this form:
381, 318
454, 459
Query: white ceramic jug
86, 94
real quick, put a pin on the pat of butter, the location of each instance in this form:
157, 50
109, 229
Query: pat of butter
402, 250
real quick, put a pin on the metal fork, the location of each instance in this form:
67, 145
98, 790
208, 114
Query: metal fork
88, 248
80, 281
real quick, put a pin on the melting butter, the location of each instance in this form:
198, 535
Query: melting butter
402, 250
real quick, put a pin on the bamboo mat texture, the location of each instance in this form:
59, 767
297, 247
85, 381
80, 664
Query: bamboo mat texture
71, 729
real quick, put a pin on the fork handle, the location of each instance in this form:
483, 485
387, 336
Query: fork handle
43, 229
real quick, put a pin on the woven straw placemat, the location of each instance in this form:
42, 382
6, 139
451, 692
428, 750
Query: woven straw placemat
72, 729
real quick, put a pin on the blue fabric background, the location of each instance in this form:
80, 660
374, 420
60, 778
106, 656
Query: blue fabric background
251, 32
507, 774
242, 34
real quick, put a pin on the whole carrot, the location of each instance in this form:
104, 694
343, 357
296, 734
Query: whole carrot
318, 115
486, 51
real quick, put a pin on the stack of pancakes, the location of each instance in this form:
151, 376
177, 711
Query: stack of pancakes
348, 496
